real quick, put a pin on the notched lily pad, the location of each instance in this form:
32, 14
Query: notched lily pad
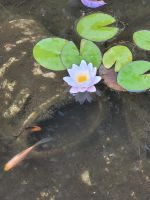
134, 77
109, 77
88, 52
96, 27
142, 39
118, 55
47, 53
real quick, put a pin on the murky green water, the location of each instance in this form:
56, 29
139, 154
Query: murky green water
98, 150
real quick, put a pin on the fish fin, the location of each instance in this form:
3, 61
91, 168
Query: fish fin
44, 140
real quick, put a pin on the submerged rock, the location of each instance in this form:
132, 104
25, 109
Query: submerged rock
18, 103
21, 77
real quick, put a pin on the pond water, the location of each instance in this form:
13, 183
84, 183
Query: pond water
100, 151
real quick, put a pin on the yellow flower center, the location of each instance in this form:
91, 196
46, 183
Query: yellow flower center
81, 78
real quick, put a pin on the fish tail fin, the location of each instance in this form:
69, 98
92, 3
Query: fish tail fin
43, 141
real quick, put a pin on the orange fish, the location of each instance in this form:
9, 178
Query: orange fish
22, 155
34, 128
31, 128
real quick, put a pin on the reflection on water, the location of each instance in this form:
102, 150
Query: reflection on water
101, 150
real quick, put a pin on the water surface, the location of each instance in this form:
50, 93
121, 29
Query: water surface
99, 150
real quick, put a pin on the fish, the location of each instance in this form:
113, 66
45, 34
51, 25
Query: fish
34, 128
23, 154
93, 3
30, 128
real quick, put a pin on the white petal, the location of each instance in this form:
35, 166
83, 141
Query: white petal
72, 72
86, 84
83, 65
83, 89
97, 79
90, 67
91, 89
69, 81
74, 90
74, 67
94, 71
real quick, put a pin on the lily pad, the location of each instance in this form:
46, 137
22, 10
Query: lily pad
134, 77
88, 52
118, 55
47, 53
95, 27
142, 39
70, 55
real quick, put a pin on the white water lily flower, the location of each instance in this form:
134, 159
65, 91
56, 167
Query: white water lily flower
82, 78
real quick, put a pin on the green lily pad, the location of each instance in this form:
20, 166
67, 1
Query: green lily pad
118, 55
133, 77
142, 39
95, 27
70, 55
88, 52
47, 53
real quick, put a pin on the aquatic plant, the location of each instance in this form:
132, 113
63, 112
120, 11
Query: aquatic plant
142, 39
119, 71
118, 55
96, 27
133, 78
82, 78
89, 52
93, 3
47, 53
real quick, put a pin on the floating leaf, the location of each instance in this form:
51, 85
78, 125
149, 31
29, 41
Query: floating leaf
118, 55
70, 55
95, 27
133, 76
47, 53
110, 78
88, 52
91, 53
142, 39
